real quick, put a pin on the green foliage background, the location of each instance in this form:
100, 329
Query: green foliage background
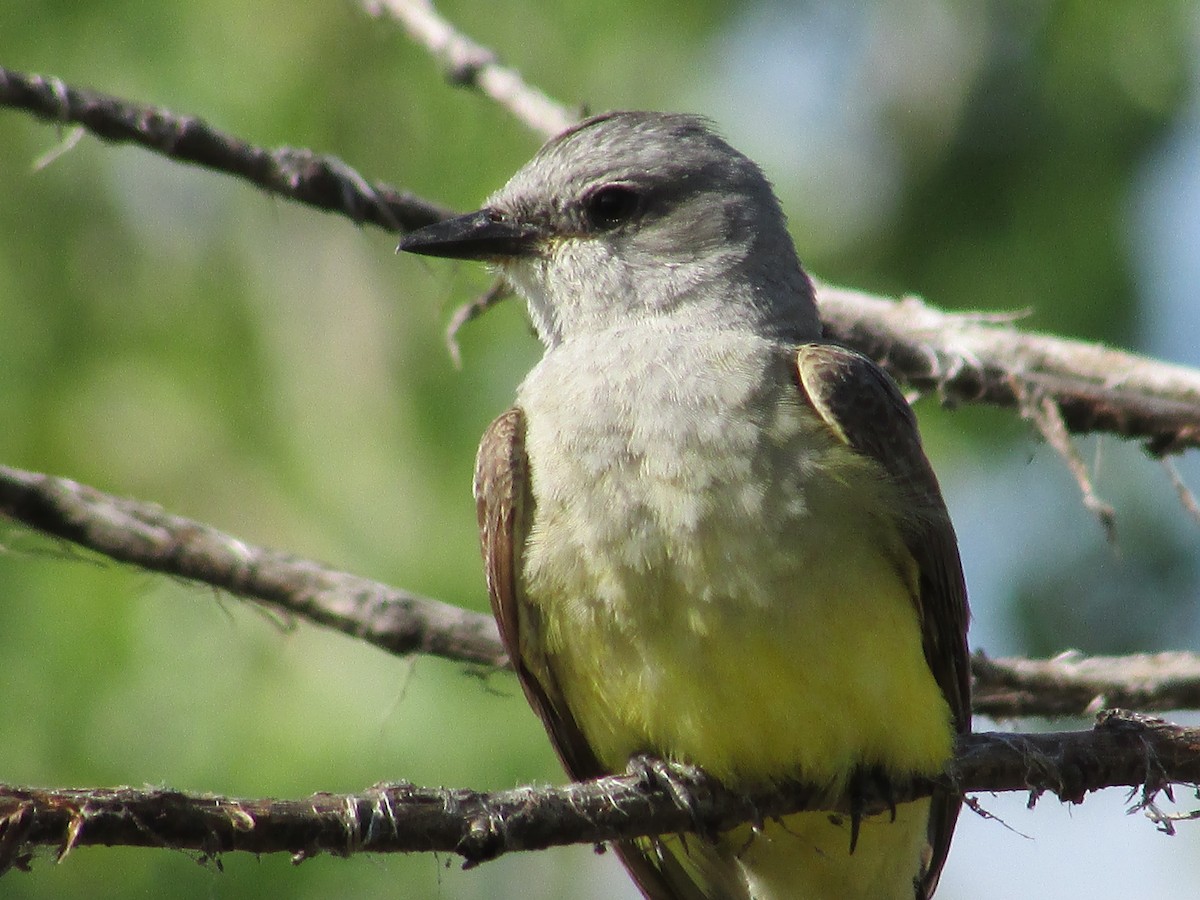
173, 335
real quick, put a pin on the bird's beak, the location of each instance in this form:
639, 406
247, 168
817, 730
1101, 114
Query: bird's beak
483, 235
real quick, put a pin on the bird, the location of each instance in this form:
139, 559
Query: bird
711, 536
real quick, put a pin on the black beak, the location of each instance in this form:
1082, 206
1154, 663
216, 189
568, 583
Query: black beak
479, 235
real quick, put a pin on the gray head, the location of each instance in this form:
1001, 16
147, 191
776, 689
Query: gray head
631, 214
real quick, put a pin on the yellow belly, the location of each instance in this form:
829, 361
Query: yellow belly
826, 681
752, 653
806, 857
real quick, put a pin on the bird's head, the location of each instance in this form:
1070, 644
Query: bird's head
634, 214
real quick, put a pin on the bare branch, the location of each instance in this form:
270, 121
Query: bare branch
1122, 749
144, 535
148, 537
963, 358
1075, 685
471, 65
1072, 386
297, 174
966, 358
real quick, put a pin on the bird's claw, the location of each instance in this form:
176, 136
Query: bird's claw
869, 786
681, 781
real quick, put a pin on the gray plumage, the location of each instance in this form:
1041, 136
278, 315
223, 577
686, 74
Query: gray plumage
706, 215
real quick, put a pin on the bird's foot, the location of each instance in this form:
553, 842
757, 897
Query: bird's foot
684, 783
869, 787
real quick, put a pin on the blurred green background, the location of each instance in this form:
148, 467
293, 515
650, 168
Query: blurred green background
177, 336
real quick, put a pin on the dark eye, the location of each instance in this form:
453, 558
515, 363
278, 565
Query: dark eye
611, 206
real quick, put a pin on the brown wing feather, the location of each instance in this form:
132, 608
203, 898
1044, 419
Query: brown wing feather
504, 505
866, 409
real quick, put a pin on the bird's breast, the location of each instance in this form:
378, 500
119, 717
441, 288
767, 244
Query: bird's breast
712, 570
693, 467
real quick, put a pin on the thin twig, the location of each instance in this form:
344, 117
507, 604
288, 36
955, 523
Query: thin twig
65, 146
467, 312
1187, 499
1047, 419
472, 65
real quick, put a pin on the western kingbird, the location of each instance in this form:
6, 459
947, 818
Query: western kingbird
711, 537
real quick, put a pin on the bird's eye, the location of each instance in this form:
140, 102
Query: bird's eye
611, 206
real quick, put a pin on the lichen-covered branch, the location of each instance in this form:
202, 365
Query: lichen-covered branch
1122, 749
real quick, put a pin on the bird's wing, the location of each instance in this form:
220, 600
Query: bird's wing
504, 506
864, 408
